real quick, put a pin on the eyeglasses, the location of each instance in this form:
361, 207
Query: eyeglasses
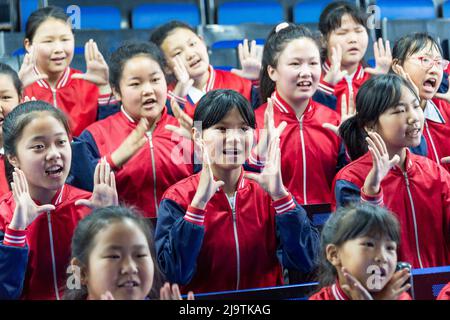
427, 62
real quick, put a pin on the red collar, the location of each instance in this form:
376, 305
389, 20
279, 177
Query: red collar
282, 106
62, 82
211, 79
57, 198
337, 292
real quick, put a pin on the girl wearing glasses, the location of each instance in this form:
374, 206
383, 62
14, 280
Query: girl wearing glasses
418, 57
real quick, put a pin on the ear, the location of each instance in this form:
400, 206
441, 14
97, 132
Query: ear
395, 62
370, 128
332, 253
13, 160
116, 94
272, 72
27, 44
77, 265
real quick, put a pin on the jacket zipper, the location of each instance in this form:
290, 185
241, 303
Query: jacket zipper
414, 218
236, 239
304, 158
150, 139
52, 251
432, 142
54, 97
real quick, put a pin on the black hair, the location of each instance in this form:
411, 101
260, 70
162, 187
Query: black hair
215, 104
163, 31
6, 69
412, 43
375, 96
86, 231
275, 44
16, 121
41, 15
331, 17
129, 50
348, 223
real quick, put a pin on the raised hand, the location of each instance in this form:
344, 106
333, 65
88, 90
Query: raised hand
381, 163
97, 70
207, 186
383, 58
107, 296
398, 69
250, 59
395, 287
168, 292
270, 178
135, 140
184, 120
26, 209
27, 73
346, 113
105, 192
269, 133
335, 74
184, 81
354, 289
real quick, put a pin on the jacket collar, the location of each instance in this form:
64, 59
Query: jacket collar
211, 79
358, 75
62, 82
283, 107
432, 113
57, 198
130, 120
338, 293
242, 182
408, 163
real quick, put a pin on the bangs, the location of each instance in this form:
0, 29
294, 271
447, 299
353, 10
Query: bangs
331, 17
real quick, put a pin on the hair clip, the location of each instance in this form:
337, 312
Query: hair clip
281, 26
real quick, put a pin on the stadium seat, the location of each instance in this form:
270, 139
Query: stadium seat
26, 7
148, 16
309, 11
100, 17
427, 282
446, 9
408, 10
266, 12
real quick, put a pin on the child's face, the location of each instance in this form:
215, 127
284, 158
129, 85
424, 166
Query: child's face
143, 88
297, 73
229, 141
370, 260
353, 39
120, 262
54, 45
43, 153
426, 77
402, 125
190, 48
9, 98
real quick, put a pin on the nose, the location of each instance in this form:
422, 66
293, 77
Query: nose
147, 88
414, 115
129, 266
57, 46
381, 255
53, 152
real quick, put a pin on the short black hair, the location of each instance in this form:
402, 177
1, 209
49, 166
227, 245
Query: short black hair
41, 15
163, 31
331, 17
412, 43
7, 70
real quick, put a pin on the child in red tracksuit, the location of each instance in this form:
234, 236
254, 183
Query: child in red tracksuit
187, 56
421, 57
49, 41
38, 217
416, 189
309, 152
342, 25
10, 96
221, 229
359, 256
147, 157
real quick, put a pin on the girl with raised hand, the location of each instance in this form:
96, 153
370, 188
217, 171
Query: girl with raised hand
113, 258
345, 37
419, 58
38, 217
310, 153
359, 256
222, 220
187, 57
146, 157
47, 75
388, 121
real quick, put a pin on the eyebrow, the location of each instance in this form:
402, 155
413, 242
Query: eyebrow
117, 247
45, 137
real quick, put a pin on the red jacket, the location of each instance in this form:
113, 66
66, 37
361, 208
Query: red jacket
344, 86
437, 130
309, 152
420, 198
144, 178
218, 79
232, 244
4, 185
47, 244
79, 99
335, 292
444, 294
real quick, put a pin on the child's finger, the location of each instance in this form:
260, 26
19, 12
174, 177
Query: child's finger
97, 173
84, 202
253, 49
107, 174
245, 49
23, 181
190, 295
240, 53
176, 292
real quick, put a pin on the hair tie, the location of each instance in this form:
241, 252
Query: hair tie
281, 26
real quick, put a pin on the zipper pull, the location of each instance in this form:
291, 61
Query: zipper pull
406, 179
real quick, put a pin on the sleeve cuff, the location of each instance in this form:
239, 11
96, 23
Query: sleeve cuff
15, 238
111, 163
255, 161
195, 215
106, 99
284, 204
178, 99
326, 87
375, 200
